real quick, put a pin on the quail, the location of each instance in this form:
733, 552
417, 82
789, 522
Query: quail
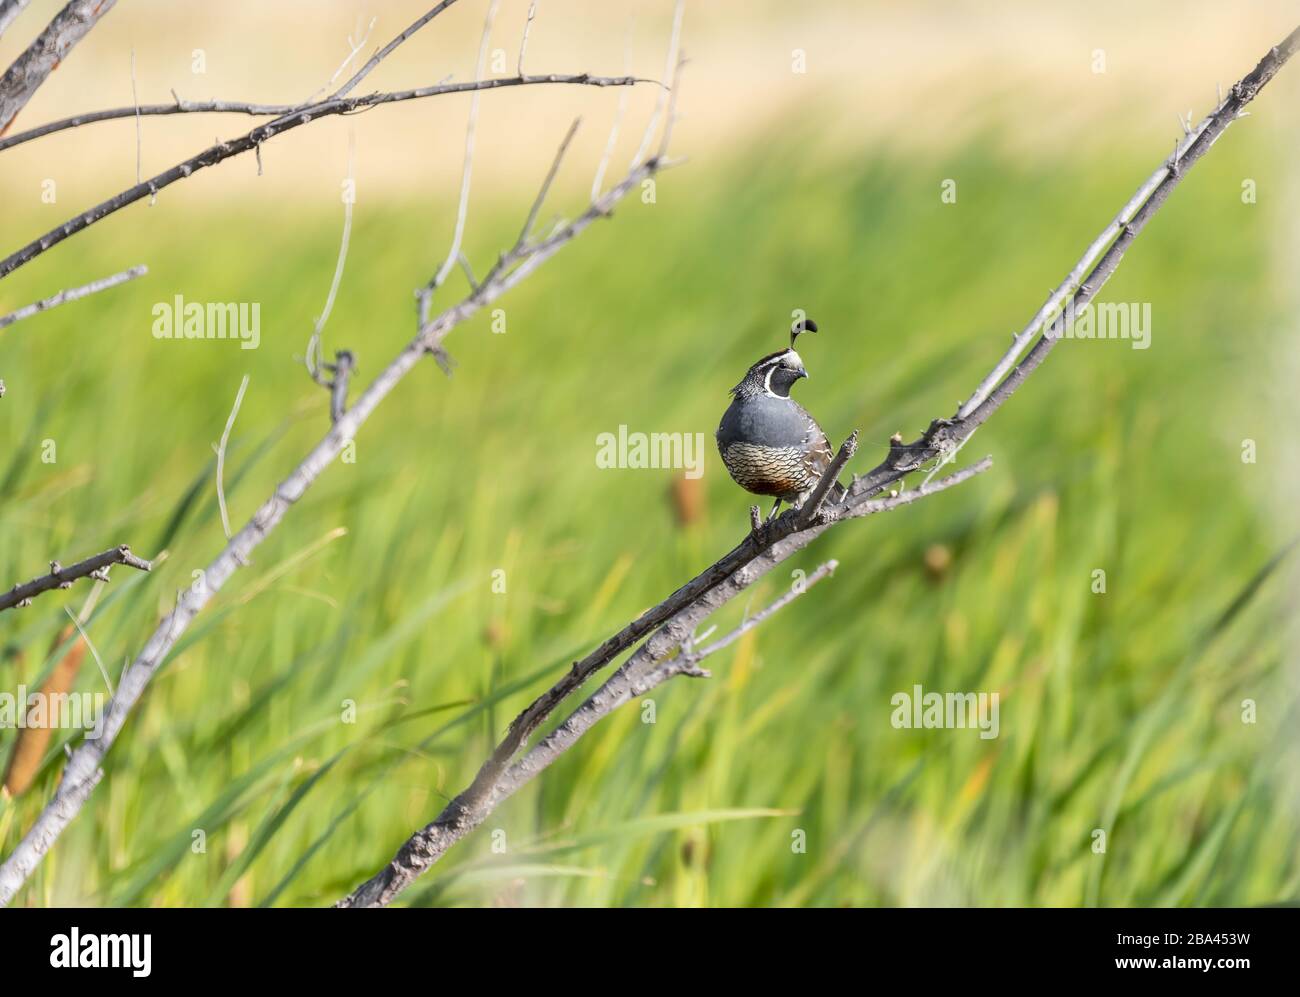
769, 443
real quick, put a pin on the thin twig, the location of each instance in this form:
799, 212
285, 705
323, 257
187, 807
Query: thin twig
135, 100
72, 294
619, 114
523, 42
178, 106
776, 606
354, 49
462, 209
387, 50
526, 232
295, 118
60, 577
673, 59
190, 107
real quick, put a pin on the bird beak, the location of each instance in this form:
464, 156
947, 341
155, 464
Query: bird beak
802, 372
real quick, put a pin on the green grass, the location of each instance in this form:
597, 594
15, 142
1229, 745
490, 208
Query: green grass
1119, 712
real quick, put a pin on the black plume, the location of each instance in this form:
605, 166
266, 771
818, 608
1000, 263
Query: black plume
798, 328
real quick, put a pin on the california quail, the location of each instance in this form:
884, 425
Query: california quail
771, 446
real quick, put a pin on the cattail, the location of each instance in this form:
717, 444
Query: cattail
32, 742
687, 495
938, 559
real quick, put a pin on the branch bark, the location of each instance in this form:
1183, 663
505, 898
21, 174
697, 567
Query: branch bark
178, 106
222, 151
60, 577
9, 9
218, 106
42, 57
945, 436
72, 294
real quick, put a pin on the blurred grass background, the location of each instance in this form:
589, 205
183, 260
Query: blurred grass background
1119, 711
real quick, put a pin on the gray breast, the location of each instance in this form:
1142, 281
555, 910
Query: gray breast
764, 420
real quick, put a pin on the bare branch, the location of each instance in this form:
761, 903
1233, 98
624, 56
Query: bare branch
526, 232
222, 151
648, 667
139, 139
523, 42
72, 294
51, 47
945, 435
60, 577
387, 50
617, 124
148, 110
453, 254
9, 9
749, 624
1214, 124
354, 49
673, 59
341, 373
828, 479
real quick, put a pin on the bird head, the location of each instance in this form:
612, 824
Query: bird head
773, 375
776, 373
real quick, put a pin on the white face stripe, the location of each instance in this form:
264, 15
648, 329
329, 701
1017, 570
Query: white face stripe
788, 358
780, 358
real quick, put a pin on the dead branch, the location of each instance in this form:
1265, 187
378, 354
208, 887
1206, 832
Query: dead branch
72, 294
22, 79
262, 134
60, 577
662, 657
177, 106
9, 9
